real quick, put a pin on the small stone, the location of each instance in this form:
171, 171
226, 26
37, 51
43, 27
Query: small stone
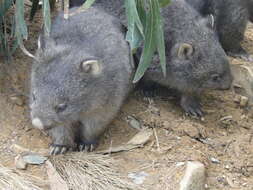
244, 101
17, 100
192, 131
34, 159
214, 160
141, 138
138, 178
237, 98
194, 178
18, 149
20, 163
134, 123
180, 164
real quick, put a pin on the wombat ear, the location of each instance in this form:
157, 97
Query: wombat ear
91, 66
185, 51
210, 21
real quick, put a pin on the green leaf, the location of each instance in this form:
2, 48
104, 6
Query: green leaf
4, 6
149, 44
46, 16
135, 29
164, 3
21, 28
87, 4
159, 33
140, 4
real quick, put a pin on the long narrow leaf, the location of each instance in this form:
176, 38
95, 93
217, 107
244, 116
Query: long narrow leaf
135, 29
164, 3
159, 33
149, 44
46, 16
21, 28
4, 6
87, 4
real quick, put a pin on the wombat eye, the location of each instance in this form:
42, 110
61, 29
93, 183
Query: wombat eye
60, 108
215, 78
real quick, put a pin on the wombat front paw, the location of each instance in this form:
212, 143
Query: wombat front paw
56, 149
191, 106
86, 146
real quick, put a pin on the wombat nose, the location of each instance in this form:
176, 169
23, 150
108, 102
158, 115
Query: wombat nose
37, 123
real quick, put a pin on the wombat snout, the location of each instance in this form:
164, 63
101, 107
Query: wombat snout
37, 123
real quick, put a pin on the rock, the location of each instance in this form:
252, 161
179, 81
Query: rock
194, 177
134, 123
138, 178
214, 160
243, 77
244, 101
17, 100
34, 159
141, 138
241, 100
20, 163
18, 149
237, 98
192, 131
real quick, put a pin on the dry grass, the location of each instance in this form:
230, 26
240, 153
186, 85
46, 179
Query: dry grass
13, 180
90, 172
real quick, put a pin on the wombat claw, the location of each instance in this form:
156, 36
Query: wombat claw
192, 107
87, 146
56, 149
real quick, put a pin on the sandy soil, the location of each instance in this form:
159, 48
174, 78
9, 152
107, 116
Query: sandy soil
180, 138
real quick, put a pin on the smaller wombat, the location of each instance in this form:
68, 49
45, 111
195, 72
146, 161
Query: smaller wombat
81, 77
231, 17
195, 58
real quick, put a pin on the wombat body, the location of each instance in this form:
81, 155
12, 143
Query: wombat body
231, 17
81, 77
195, 58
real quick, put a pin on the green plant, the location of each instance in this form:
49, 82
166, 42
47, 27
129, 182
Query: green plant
145, 28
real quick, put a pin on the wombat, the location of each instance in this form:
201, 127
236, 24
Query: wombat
195, 58
81, 77
231, 18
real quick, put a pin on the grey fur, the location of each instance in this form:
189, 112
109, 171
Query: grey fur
194, 73
73, 105
231, 17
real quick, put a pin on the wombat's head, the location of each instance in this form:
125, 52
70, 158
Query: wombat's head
64, 84
198, 61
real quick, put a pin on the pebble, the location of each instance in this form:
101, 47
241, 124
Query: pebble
134, 123
20, 163
138, 178
244, 101
194, 177
17, 100
214, 160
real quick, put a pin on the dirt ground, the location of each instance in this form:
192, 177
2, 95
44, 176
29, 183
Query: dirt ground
222, 141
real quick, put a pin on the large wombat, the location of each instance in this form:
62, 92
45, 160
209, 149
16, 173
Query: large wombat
231, 17
195, 58
82, 75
